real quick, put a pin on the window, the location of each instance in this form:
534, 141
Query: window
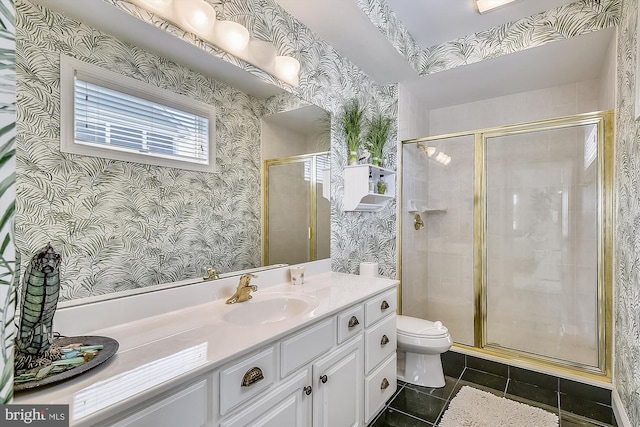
105, 114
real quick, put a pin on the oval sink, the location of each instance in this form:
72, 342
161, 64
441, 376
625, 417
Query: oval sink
263, 309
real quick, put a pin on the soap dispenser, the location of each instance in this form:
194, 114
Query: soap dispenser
382, 185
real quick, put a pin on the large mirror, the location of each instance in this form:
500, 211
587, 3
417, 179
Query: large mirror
124, 226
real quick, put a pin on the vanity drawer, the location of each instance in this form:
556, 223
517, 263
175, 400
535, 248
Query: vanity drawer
379, 342
350, 322
380, 306
247, 377
186, 408
305, 346
379, 387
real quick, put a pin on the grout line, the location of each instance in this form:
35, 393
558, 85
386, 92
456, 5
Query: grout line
413, 416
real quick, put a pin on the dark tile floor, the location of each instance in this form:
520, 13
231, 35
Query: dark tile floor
576, 404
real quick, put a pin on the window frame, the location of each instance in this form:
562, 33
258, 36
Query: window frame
70, 67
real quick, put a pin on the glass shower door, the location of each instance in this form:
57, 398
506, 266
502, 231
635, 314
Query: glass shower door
542, 243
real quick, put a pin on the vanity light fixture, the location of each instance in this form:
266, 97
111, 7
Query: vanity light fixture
199, 17
485, 6
161, 7
287, 69
231, 36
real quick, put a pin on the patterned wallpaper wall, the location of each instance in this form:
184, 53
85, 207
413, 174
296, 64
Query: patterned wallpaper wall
124, 225
627, 234
7, 195
580, 17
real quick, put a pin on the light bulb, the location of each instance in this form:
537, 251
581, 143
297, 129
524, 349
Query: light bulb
430, 151
287, 69
263, 54
157, 4
231, 36
198, 14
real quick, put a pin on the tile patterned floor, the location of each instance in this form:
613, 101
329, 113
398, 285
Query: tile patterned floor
576, 404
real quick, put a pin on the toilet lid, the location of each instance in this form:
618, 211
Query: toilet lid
420, 328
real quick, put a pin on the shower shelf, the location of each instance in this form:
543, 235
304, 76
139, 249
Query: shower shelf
427, 210
421, 207
356, 188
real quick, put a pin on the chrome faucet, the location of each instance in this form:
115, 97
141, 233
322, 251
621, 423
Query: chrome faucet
243, 292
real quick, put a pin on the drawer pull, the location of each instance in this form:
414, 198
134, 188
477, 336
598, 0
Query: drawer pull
384, 305
323, 379
307, 390
353, 322
384, 340
252, 376
384, 384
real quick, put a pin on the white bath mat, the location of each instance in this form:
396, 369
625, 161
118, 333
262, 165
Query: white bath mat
474, 408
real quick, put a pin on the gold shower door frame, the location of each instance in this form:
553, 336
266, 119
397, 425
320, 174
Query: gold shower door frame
604, 121
313, 183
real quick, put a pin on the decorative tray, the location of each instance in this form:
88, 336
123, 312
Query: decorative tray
110, 347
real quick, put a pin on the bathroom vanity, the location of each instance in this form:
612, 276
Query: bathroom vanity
318, 354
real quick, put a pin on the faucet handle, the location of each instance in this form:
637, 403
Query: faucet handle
245, 279
212, 274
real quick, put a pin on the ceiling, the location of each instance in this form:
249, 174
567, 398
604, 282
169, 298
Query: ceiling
430, 22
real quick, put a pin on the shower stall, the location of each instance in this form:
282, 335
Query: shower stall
296, 209
506, 239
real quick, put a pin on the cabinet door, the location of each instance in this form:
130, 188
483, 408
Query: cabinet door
289, 404
185, 408
337, 387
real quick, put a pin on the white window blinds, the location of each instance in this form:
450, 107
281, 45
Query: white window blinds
105, 114
115, 119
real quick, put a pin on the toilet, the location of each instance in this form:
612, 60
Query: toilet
421, 342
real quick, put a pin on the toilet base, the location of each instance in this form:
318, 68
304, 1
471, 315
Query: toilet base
423, 370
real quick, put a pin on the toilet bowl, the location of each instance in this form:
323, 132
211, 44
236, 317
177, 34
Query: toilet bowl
421, 342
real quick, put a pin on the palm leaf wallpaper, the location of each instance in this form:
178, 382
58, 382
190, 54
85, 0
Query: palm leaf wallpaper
7, 195
627, 235
574, 19
123, 225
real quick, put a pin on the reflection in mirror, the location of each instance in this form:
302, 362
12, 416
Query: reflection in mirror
121, 226
297, 209
296, 188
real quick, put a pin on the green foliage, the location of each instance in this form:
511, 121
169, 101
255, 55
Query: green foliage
352, 120
378, 134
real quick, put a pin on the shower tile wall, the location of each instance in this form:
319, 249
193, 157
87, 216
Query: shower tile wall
565, 100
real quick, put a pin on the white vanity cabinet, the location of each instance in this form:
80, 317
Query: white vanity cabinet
337, 391
380, 345
326, 376
186, 407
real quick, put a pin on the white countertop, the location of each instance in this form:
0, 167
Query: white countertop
162, 351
